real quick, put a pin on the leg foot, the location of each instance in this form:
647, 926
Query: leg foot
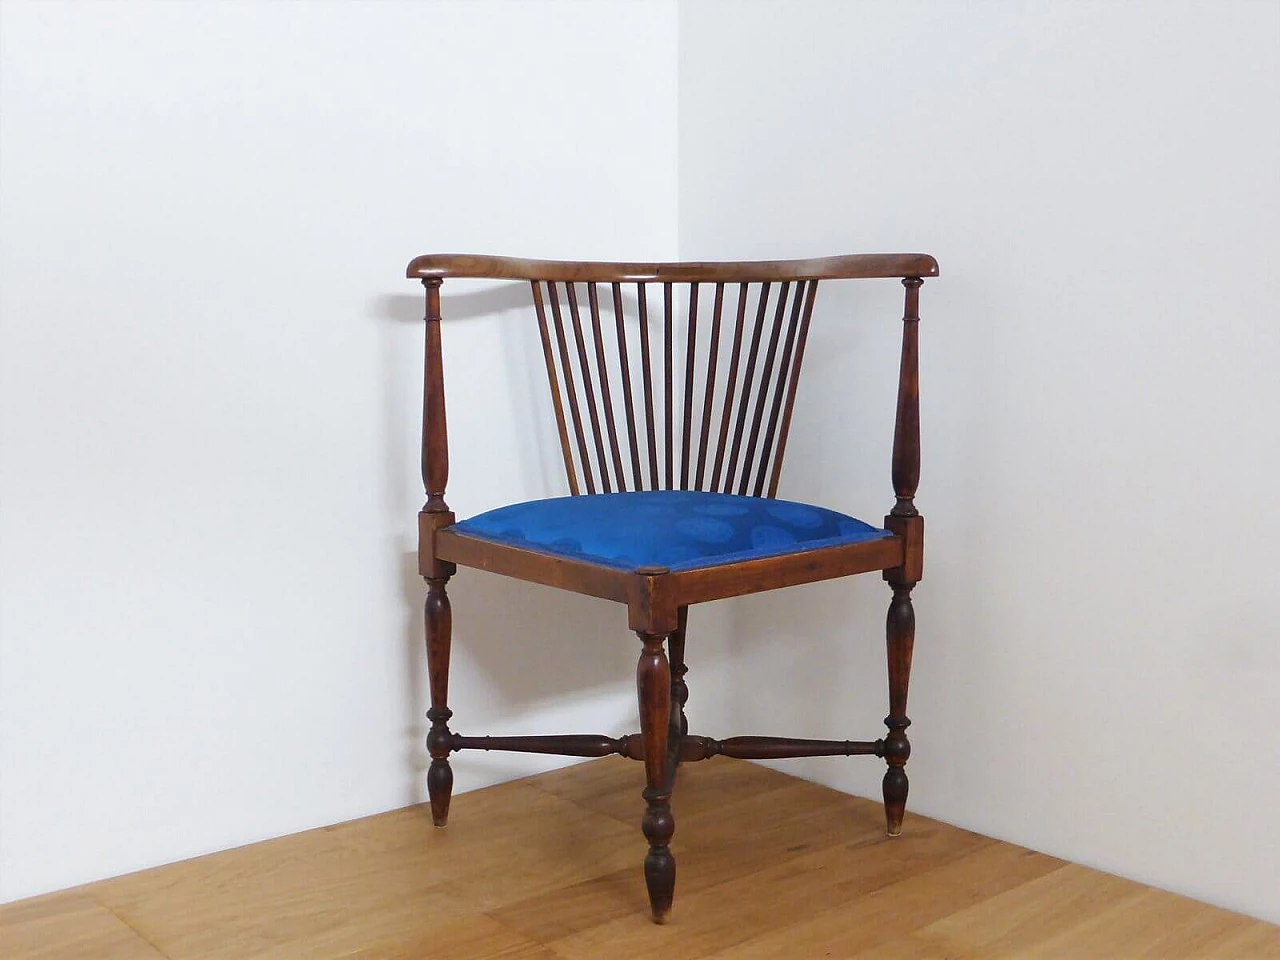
439, 621
659, 864
653, 685
901, 633
895, 799
440, 789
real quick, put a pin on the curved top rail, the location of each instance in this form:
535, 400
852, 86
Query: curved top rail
440, 266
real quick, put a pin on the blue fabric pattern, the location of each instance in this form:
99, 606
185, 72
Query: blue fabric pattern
675, 529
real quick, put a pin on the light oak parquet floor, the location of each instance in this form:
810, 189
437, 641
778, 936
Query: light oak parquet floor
548, 868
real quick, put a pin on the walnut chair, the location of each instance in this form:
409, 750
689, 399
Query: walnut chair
673, 482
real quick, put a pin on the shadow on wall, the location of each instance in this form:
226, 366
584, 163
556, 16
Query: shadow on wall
516, 647
526, 659
516, 369
411, 307
528, 644
812, 638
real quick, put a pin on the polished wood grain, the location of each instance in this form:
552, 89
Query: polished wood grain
606, 398
539, 869
803, 295
748, 377
668, 383
905, 521
571, 393
554, 381
862, 266
653, 686
564, 744
435, 515
435, 432
438, 614
579, 576
906, 430
776, 748
681, 746
771, 573
679, 688
731, 386
709, 397
792, 385
900, 627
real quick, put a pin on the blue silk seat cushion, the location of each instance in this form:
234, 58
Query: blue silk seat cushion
675, 529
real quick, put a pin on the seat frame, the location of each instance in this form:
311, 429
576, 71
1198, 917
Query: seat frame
658, 599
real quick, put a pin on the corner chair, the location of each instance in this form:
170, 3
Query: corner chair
673, 441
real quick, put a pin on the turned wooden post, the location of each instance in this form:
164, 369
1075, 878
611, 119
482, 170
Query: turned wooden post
905, 521
679, 689
439, 619
438, 614
435, 431
653, 685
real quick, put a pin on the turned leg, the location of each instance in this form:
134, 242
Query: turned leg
653, 684
901, 632
679, 689
439, 619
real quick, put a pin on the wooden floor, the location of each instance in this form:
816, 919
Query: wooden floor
549, 867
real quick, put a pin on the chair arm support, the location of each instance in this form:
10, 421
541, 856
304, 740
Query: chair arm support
435, 430
906, 431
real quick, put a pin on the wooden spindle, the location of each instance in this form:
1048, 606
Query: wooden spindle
779, 389
690, 356
679, 688
637, 479
744, 403
904, 521
606, 400
791, 388
900, 631
906, 431
642, 298
435, 429
726, 410
777, 748
668, 338
549, 355
709, 396
762, 395
439, 629
437, 616
570, 392
588, 389
560, 745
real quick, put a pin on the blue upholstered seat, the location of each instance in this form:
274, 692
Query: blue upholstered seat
675, 529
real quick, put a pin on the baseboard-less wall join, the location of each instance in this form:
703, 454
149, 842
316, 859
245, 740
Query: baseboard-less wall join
210, 372
210, 384
1098, 642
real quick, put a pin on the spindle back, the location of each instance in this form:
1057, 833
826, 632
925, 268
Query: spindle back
705, 401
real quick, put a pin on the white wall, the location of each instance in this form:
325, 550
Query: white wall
210, 370
209, 390
1097, 657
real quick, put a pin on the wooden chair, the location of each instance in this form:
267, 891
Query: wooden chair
662, 515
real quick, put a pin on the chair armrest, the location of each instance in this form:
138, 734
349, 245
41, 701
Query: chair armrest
440, 266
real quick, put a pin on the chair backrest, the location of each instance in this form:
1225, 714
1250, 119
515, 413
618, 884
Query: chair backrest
662, 376
688, 421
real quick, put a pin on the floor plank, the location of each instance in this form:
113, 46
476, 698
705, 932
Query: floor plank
548, 868
68, 926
